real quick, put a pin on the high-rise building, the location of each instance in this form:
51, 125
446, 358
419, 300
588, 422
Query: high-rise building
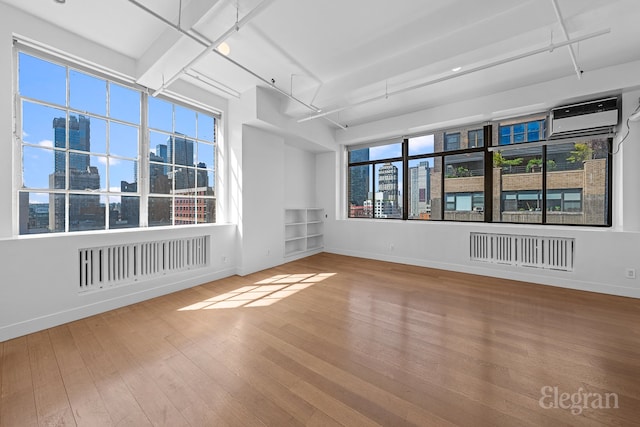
388, 182
419, 189
359, 177
79, 139
84, 209
181, 151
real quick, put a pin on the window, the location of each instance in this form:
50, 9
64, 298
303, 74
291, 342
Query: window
181, 165
559, 183
451, 141
81, 138
375, 182
516, 133
504, 179
476, 138
464, 187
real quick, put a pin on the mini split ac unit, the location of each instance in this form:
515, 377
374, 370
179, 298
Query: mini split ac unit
592, 116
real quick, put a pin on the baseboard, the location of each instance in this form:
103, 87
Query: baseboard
54, 319
547, 278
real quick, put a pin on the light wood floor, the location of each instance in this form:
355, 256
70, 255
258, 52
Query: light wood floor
333, 340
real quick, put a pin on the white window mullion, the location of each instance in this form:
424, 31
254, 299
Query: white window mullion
144, 187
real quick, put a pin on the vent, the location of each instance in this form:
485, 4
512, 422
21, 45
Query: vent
109, 266
585, 118
554, 253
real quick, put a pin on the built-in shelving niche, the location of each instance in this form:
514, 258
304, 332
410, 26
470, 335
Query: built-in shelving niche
303, 231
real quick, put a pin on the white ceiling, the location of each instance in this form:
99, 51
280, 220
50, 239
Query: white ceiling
332, 54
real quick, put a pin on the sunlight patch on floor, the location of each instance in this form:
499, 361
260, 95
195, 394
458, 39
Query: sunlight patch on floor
262, 293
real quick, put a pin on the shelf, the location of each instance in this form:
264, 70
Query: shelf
303, 231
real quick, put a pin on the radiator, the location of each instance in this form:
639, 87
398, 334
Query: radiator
107, 266
555, 253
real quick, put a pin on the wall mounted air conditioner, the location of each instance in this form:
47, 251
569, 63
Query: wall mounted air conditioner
595, 115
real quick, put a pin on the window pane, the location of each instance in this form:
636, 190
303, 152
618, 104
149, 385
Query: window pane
44, 126
159, 211
97, 136
184, 210
533, 131
34, 212
124, 212
204, 180
518, 133
160, 114
580, 176
464, 175
421, 145
181, 151
123, 140
387, 202
420, 172
86, 212
124, 103
505, 135
184, 180
206, 209
388, 151
476, 138
38, 166
451, 141
159, 181
87, 93
123, 175
159, 144
360, 191
185, 121
206, 127
361, 155
517, 185
205, 155
87, 172
79, 132
42, 80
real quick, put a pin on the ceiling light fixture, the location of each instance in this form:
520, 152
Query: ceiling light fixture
456, 69
224, 48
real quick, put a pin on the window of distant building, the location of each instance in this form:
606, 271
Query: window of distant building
452, 141
516, 133
82, 151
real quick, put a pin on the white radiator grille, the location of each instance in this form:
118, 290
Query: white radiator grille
555, 253
108, 266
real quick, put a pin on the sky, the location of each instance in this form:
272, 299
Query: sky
114, 123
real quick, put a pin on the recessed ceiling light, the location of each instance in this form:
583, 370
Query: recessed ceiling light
456, 69
224, 48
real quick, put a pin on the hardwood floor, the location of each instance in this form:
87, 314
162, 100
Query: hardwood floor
333, 340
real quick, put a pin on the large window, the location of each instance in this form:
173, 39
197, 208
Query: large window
82, 139
376, 181
505, 172
181, 165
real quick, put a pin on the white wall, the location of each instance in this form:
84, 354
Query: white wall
262, 219
602, 254
39, 274
299, 178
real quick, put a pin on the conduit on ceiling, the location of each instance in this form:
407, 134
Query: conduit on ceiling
210, 46
387, 94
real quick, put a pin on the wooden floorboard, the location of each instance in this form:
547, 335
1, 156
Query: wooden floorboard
331, 340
